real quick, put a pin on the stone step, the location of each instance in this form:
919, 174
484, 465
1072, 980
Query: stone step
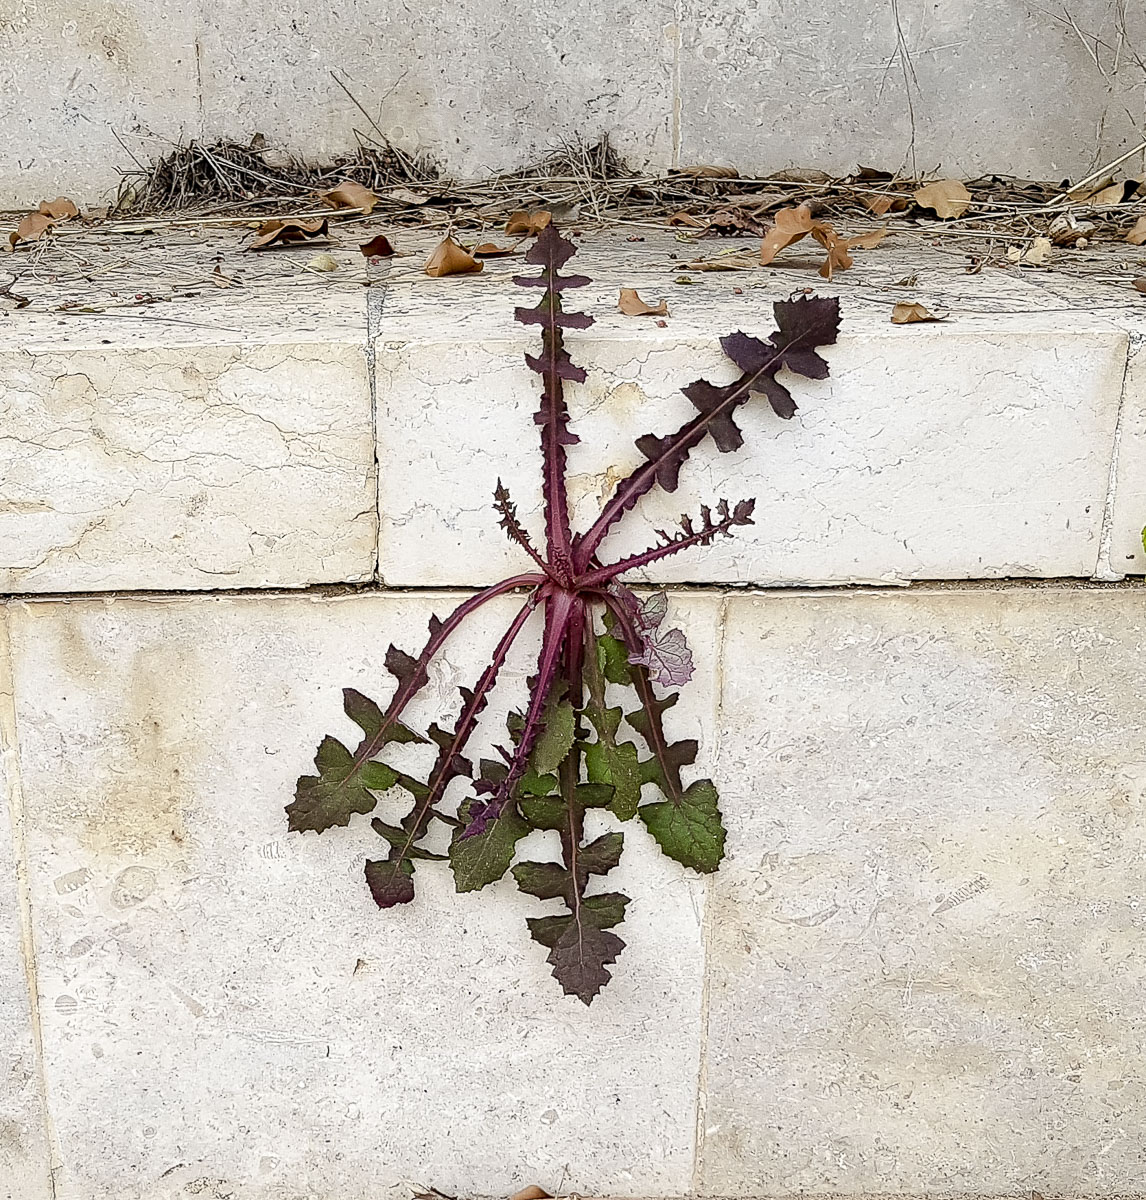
297, 428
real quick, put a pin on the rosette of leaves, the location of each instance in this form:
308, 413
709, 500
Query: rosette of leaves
592, 733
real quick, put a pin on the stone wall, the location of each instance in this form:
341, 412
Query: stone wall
919, 972
969, 86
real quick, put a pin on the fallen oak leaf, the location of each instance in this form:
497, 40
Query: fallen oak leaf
947, 198
289, 231
1137, 235
790, 225
59, 209
350, 195
912, 313
532, 1192
378, 247
1139, 284
31, 229
492, 250
633, 306
449, 258
528, 223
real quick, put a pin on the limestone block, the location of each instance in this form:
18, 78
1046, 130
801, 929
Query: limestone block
24, 1167
195, 466
76, 75
1129, 512
478, 87
976, 449
962, 87
927, 951
225, 1007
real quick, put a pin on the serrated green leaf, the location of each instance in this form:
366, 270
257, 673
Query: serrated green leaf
390, 881
579, 957
604, 911
607, 760
334, 795
601, 855
613, 657
344, 784
484, 857
544, 812
689, 831
546, 881
615, 763
554, 741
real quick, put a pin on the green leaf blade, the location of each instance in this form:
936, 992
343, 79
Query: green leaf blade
691, 831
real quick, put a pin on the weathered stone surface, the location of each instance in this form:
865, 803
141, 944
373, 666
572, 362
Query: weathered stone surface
75, 75
185, 466
24, 1168
962, 86
1127, 556
225, 1008
479, 87
926, 952
980, 448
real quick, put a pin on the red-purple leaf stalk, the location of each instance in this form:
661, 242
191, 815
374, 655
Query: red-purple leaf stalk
567, 754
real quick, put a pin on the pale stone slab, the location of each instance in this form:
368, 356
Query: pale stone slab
976, 449
24, 1162
225, 1008
199, 466
76, 75
1127, 556
926, 951
961, 87
480, 87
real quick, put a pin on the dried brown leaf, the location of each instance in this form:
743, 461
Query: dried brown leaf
878, 205
492, 250
1140, 283
349, 194
912, 312
869, 240
532, 1192
59, 209
724, 262
30, 229
791, 224
948, 198
289, 231
449, 258
1115, 193
378, 247
686, 219
528, 224
633, 306
1137, 235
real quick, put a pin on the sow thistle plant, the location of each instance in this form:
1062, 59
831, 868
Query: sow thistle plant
572, 747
